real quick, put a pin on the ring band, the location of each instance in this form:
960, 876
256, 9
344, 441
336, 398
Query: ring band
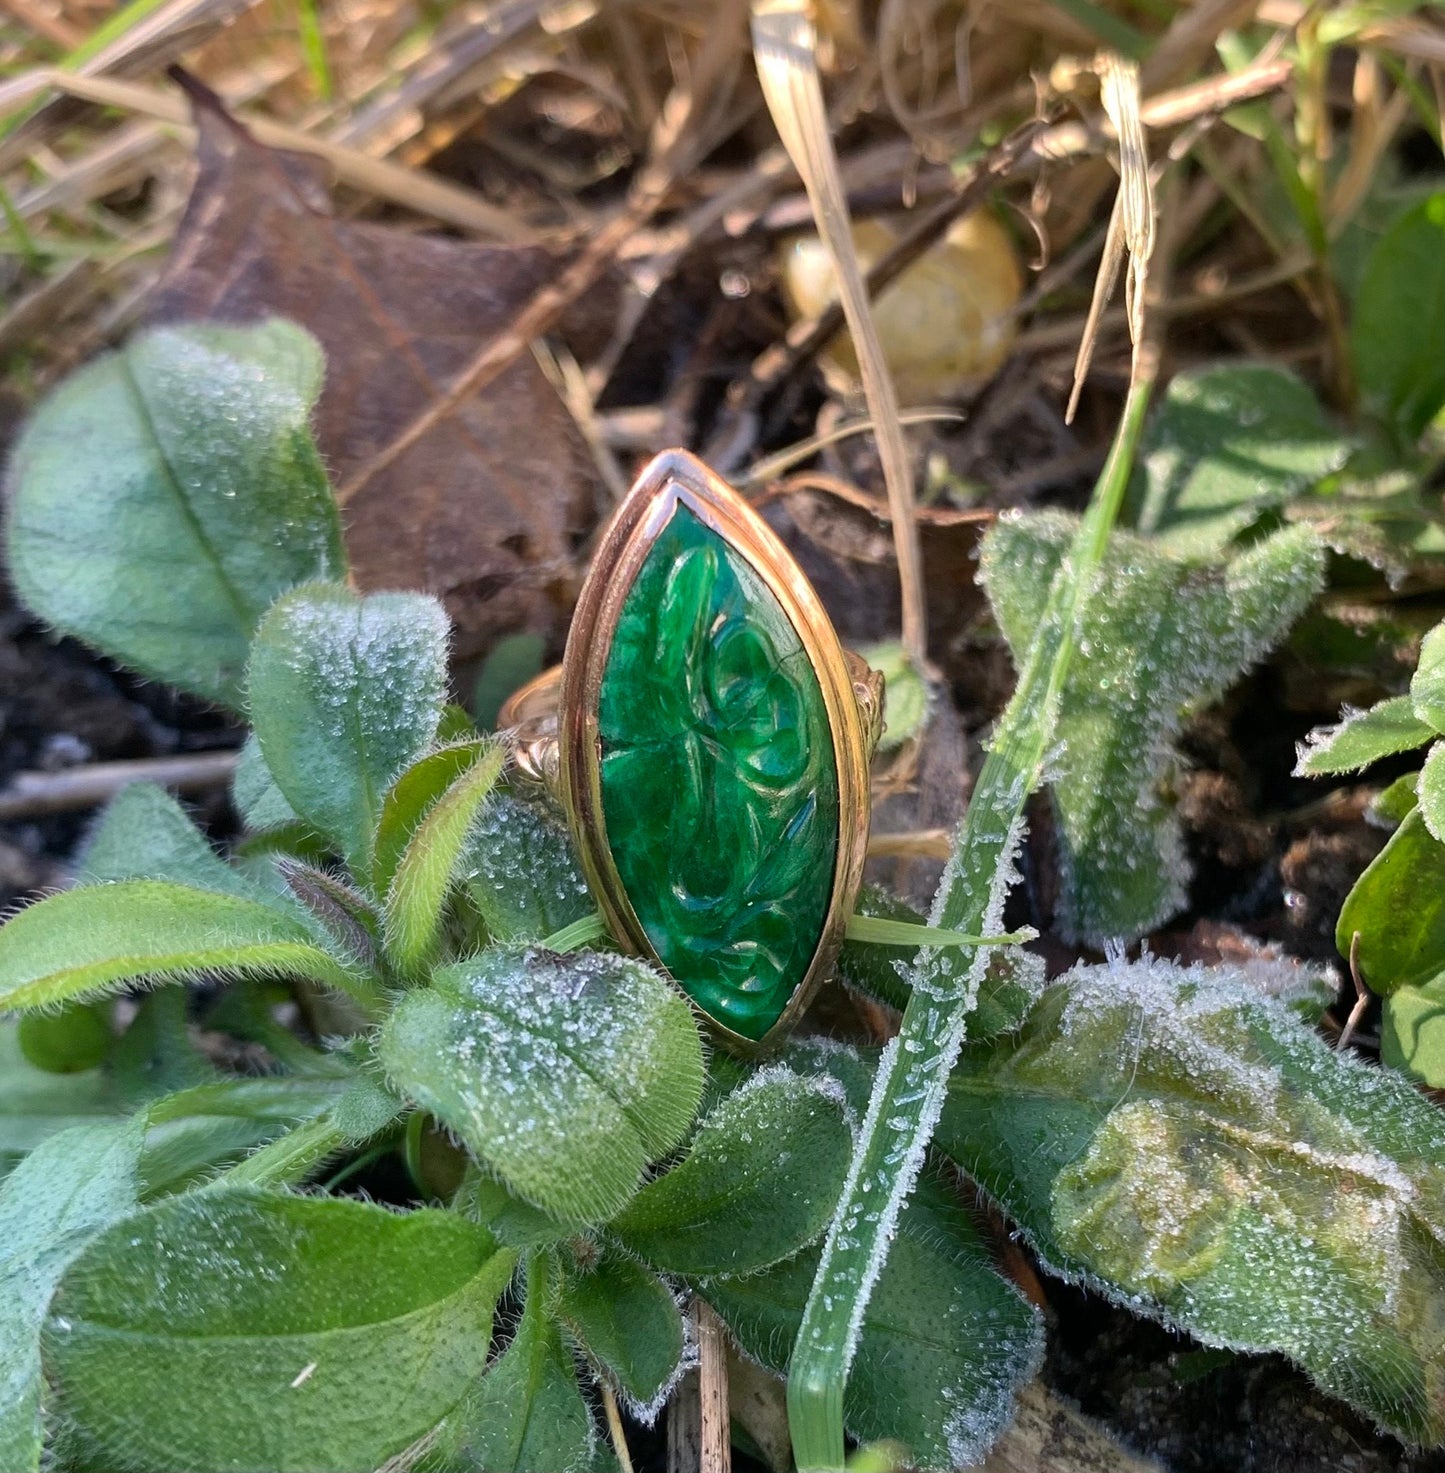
708, 740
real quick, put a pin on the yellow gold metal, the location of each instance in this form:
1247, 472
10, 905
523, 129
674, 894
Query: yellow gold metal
553, 721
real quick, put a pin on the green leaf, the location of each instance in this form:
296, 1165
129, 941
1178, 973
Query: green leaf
346, 691
98, 938
509, 1220
760, 1181
527, 1413
1362, 737
1181, 1141
1427, 685
164, 495
270, 1332
1399, 320
428, 868
1412, 1033
197, 1131
411, 798
1225, 445
1392, 806
1169, 635
75, 1184
524, 878
945, 1343
564, 1076
258, 800
35, 1105
629, 1324
1430, 791
510, 664
1398, 908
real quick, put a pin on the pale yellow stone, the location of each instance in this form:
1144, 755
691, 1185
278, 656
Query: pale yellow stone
946, 324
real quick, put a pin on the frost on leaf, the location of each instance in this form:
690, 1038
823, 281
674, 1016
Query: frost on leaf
945, 1343
1182, 1143
521, 872
563, 1076
1163, 635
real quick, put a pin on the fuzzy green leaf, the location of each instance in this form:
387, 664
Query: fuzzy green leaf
1399, 319
562, 1075
945, 1344
1398, 908
428, 867
1225, 445
97, 938
1363, 737
345, 692
164, 495
196, 1131
1427, 685
316, 1333
760, 1181
258, 800
144, 834
1430, 791
527, 1413
411, 798
1181, 1141
1169, 635
524, 878
69, 1189
628, 1322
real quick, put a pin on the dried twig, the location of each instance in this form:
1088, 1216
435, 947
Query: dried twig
785, 45
33, 794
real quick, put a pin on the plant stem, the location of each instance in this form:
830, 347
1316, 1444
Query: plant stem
290, 1158
913, 1071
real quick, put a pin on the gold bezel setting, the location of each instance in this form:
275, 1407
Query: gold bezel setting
571, 766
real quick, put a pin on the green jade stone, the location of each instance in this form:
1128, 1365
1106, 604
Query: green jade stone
719, 784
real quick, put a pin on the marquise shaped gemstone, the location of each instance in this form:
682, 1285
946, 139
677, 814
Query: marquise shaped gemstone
718, 777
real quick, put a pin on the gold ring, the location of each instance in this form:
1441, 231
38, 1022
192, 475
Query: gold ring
708, 739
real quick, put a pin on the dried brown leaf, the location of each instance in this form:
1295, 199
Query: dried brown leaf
485, 509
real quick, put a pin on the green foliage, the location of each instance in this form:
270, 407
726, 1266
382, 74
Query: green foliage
1179, 1140
1392, 924
344, 693
340, 1332
527, 1413
1363, 737
563, 1075
759, 1182
1170, 635
628, 1322
1225, 446
944, 1347
905, 694
164, 495
523, 876
428, 867
66, 1191
37, 1103
95, 939
1399, 320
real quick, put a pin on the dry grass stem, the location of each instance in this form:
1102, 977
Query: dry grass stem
785, 45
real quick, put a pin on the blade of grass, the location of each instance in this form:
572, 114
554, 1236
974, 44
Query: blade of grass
914, 1068
785, 46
